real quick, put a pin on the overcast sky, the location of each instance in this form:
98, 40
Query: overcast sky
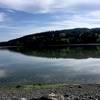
21, 17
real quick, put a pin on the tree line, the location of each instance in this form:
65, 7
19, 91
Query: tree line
62, 37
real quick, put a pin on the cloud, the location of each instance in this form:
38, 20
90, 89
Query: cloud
2, 16
95, 14
44, 6
31, 16
88, 19
27, 5
79, 66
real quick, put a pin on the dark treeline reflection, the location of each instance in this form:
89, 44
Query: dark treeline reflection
68, 52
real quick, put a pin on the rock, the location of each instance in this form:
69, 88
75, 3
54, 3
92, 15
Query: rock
97, 97
90, 98
41, 98
79, 86
53, 96
76, 98
15, 99
66, 95
23, 99
45, 98
18, 86
34, 99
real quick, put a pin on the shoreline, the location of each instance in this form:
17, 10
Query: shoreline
47, 91
60, 45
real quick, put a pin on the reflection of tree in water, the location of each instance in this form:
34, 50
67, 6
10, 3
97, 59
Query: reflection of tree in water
68, 52
98, 49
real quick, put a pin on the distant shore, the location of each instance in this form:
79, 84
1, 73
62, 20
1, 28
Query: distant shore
62, 45
68, 45
49, 92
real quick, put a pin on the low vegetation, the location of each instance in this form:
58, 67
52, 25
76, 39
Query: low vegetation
30, 86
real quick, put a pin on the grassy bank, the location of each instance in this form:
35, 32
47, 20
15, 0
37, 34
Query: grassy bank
30, 86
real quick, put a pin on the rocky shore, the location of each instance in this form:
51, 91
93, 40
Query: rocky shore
60, 92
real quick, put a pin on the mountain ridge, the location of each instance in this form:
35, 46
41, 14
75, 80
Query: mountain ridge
57, 38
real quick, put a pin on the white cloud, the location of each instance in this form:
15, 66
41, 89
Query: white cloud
27, 5
78, 20
95, 14
2, 16
74, 14
45, 5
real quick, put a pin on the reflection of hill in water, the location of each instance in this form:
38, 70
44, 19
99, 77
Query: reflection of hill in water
68, 52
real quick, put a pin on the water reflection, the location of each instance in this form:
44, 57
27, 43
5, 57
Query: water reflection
21, 65
68, 52
3, 73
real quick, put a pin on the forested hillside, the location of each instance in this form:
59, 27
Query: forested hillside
58, 38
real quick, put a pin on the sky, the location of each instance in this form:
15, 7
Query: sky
22, 17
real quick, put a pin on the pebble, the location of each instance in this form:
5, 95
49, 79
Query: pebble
71, 92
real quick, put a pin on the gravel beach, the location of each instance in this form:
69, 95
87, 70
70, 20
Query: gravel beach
61, 92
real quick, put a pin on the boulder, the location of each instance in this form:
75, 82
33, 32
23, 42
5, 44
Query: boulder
51, 96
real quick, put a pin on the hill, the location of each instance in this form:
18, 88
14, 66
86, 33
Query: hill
57, 38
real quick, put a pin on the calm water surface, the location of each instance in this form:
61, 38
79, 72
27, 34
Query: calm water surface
67, 65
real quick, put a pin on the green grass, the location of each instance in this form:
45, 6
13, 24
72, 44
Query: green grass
42, 86
30, 86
